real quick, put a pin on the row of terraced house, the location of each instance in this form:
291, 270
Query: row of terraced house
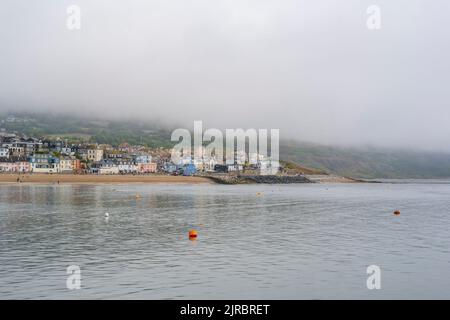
31, 155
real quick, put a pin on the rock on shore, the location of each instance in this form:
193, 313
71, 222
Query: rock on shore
269, 179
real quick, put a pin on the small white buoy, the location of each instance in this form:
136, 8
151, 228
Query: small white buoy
106, 215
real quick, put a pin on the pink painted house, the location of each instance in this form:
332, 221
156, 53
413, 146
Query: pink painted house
12, 165
146, 167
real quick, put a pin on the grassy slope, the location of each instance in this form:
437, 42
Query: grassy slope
294, 168
368, 163
76, 128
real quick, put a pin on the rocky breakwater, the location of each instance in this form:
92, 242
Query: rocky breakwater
269, 179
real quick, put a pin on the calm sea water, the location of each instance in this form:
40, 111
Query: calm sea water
289, 242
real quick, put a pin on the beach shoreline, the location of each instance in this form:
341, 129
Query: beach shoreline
61, 178
37, 178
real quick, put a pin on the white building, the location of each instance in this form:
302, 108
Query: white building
66, 151
108, 170
105, 167
52, 169
269, 166
65, 165
94, 155
205, 164
4, 152
127, 167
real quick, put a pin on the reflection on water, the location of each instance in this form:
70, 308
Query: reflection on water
291, 241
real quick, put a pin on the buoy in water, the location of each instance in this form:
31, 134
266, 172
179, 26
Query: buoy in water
192, 234
106, 214
138, 196
397, 212
258, 193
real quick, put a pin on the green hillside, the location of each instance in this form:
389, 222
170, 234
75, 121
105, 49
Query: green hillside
352, 162
368, 162
76, 129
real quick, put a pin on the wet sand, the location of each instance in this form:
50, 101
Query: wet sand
101, 179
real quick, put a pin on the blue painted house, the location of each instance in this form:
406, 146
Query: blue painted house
189, 169
44, 163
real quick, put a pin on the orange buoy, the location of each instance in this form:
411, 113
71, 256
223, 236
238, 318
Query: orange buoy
192, 234
397, 212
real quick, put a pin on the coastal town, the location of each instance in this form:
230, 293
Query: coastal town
23, 154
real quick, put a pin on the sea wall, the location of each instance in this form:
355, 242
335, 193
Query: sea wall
269, 179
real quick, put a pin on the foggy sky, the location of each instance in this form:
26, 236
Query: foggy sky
310, 68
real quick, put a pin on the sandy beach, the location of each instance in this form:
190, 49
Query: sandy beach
152, 178
94, 179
